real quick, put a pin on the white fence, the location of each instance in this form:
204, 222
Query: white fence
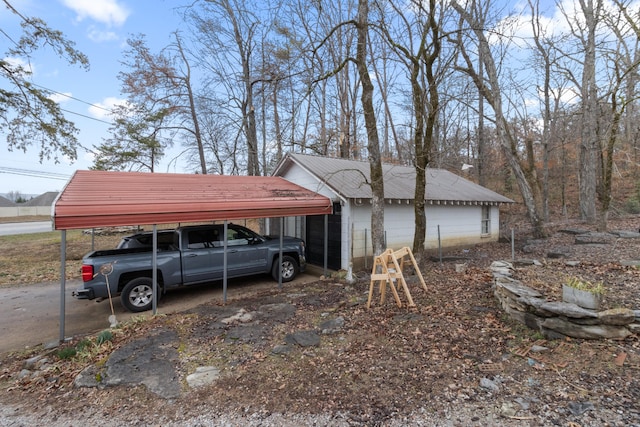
25, 211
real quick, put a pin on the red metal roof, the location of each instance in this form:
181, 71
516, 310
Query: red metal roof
101, 198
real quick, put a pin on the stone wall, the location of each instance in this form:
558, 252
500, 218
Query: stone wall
557, 319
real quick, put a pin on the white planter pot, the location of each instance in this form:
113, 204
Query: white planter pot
584, 299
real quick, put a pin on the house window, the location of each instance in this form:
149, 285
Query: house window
486, 220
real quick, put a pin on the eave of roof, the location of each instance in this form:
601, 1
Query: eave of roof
349, 179
101, 198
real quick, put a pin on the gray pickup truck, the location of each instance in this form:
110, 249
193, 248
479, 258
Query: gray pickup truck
195, 255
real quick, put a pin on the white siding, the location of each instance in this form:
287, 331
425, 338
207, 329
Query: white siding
300, 177
459, 225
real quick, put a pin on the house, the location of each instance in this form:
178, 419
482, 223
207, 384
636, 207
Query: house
458, 211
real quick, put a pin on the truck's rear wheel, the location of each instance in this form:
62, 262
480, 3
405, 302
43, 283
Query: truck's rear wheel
137, 295
290, 268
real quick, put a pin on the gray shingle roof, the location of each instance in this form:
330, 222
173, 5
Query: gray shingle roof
45, 199
349, 178
6, 203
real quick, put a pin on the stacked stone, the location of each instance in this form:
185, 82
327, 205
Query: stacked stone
557, 319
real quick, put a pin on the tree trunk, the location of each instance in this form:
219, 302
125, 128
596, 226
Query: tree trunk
587, 171
192, 108
373, 144
492, 93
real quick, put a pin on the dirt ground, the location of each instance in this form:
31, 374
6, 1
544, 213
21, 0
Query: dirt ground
455, 359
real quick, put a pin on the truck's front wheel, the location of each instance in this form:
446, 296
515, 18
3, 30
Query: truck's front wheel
289, 268
137, 295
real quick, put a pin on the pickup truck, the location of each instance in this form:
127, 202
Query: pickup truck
195, 255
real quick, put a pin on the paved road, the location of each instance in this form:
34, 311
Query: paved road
25, 227
30, 315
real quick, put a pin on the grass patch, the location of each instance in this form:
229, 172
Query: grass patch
35, 258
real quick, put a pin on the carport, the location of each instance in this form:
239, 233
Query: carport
93, 199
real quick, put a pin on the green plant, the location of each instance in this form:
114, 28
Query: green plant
632, 205
597, 288
67, 353
103, 337
83, 345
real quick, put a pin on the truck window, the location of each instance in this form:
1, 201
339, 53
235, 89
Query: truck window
199, 239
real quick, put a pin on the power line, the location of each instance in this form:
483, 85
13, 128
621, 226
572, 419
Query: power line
85, 116
72, 97
35, 174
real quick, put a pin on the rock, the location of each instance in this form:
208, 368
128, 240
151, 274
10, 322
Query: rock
517, 289
572, 263
282, 349
487, 384
526, 261
508, 410
626, 234
594, 238
30, 363
88, 377
535, 306
574, 231
303, 339
524, 403
503, 268
251, 333
150, 362
242, 316
634, 327
579, 408
559, 253
332, 325
568, 309
203, 376
24, 373
617, 316
574, 330
279, 312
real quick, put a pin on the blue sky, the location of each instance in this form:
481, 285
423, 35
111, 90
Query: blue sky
100, 29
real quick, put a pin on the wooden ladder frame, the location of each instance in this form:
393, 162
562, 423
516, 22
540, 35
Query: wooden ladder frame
387, 269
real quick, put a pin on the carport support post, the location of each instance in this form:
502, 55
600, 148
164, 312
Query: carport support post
280, 253
63, 275
154, 271
224, 262
326, 244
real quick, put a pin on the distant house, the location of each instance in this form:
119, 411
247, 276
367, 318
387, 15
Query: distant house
6, 203
458, 211
44, 199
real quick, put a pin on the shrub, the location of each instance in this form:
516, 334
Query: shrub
67, 353
632, 205
103, 337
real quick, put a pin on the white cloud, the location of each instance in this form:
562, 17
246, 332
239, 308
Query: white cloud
97, 35
19, 65
103, 110
60, 97
109, 12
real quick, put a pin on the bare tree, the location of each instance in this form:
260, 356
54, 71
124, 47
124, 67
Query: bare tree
589, 144
419, 57
373, 143
226, 33
490, 88
162, 84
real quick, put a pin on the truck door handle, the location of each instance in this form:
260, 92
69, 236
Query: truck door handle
191, 255
233, 251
